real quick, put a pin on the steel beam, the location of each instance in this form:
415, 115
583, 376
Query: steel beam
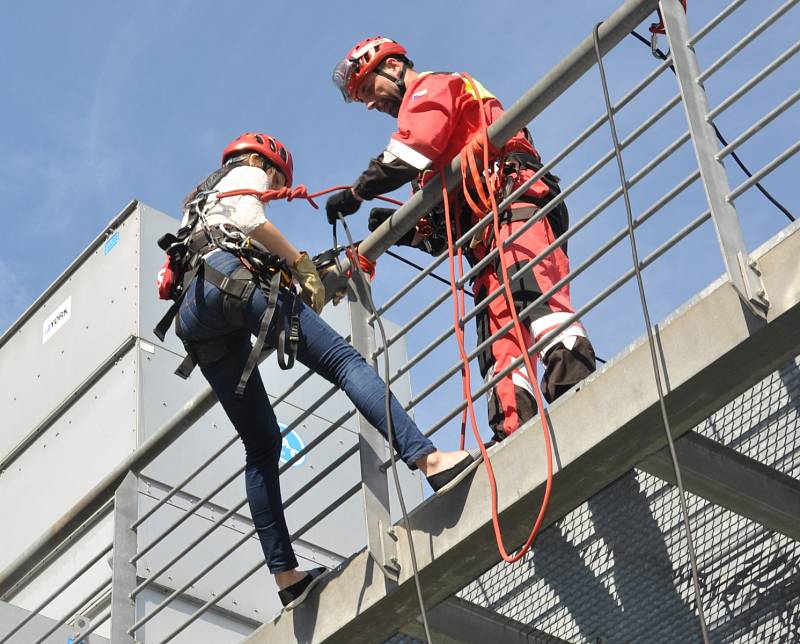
743, 273
713, 348
371, 445
457, 621
735, 481
123, 573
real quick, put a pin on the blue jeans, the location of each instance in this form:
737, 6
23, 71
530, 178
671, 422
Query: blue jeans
320, 349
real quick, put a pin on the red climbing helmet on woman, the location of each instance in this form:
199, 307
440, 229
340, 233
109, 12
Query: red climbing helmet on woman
267, 146
362, 59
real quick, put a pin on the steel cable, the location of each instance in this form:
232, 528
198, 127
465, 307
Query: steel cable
651, 339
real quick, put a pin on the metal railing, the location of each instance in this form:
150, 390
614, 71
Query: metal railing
718, 207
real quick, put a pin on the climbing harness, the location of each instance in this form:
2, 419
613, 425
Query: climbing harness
186, 251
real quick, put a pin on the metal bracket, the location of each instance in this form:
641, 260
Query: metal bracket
123, 573
381, 542
758, 299
743, 275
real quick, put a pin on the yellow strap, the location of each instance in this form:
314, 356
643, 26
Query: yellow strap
481, 93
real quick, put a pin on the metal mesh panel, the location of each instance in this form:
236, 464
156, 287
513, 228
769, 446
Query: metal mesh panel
400, 638
617, 569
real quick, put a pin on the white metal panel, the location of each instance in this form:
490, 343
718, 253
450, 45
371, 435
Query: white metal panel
102, 292
11, 615
75, 453
82, 551
214, 627
256, 599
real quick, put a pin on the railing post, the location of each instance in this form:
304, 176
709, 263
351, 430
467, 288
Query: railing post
123, 573
742, 271
372, 446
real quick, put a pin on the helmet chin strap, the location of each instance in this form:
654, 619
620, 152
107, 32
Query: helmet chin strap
399, 81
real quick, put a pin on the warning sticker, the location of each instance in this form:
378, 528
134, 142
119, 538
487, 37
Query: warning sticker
58, 319
291, 446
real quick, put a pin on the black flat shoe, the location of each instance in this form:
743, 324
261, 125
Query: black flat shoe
446, 480
293, 595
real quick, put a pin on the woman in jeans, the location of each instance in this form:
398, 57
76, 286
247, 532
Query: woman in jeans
259, 162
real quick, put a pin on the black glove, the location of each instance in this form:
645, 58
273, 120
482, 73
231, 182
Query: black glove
342, 203
378, 215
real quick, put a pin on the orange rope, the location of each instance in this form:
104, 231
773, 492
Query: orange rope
301, 192
474, 172
367, 265
658, 27
471, 170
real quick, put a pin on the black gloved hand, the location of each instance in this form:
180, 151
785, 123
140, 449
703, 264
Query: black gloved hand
378, 215
343, 202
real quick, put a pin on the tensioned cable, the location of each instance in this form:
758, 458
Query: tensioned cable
650, 339
420, 269
660, 54
389, 425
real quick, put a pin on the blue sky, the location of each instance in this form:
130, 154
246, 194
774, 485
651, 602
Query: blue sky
104, 102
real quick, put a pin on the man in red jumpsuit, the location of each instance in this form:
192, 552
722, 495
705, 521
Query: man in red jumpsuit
437, 115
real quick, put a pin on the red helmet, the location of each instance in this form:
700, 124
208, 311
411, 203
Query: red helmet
360, 61
267, 146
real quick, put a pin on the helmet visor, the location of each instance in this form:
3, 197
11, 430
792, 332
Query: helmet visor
342, 76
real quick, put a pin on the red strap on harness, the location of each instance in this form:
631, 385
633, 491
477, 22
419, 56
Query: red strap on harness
301, 192
658, 27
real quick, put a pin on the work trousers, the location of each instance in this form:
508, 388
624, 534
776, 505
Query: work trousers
568, 357
322, 350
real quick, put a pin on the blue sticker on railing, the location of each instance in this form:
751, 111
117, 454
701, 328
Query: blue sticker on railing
291, 445
111, 242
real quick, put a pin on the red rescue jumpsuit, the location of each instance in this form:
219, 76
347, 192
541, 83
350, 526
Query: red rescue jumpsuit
438, 116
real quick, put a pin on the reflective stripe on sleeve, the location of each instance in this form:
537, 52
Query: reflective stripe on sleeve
407, 154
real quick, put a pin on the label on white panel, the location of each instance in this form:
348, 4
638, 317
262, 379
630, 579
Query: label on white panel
291, 445
57, 320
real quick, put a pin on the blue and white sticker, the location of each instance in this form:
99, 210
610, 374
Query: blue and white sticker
292, 444
54, 323
111, 242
